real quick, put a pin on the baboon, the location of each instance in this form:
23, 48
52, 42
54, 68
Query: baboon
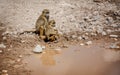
42, 22
51, 33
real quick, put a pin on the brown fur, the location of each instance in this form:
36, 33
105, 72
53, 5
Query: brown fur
51, 33
42, 22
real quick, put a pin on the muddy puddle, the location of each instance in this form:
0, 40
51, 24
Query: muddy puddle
75, 60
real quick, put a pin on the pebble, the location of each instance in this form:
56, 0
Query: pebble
104, 33
89, 42
73, 36
9, 49
108, 31
93, 34
86, 33
4, 38
81, 44
4, 72
18, 60
22, 41
115, 39
11, 46
1, 51
99, 30
85, 37
113, 36
2, 46
114, 46
79, 38
20, 56
38, 49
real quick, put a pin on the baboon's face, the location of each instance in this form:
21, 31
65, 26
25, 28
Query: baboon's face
46, 13
52, 23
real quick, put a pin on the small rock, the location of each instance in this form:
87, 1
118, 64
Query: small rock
22, 41
11, 46
9, 49
108, 31
18, 60
4, 38
86, 33
114, 25
4, 72
113, 36
1, 51
81, 44
114, 46
38, 49
85, 37
2, 46
74, 36
79, 38
93, 34
20, 56
89, 42
115, 39
60, 33
99, 30
104, 33
43, 47
109, 20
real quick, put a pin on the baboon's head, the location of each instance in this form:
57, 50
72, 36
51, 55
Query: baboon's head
45, 13
52, 23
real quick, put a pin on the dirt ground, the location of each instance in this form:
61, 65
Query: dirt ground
89, 42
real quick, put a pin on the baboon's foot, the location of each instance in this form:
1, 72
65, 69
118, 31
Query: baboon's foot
42, 37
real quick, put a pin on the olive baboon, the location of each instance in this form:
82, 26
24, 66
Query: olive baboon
51, 33
42, 22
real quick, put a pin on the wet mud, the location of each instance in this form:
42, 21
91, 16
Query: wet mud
75, 60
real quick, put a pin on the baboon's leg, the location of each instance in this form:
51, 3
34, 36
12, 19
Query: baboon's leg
42, 33
47, 37
52, 38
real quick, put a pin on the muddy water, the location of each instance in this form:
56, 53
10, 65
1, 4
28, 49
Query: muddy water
75, 60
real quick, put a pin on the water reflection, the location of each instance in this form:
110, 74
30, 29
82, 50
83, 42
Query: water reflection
47, 58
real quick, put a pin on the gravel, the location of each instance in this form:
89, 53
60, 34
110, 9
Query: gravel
2, 45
